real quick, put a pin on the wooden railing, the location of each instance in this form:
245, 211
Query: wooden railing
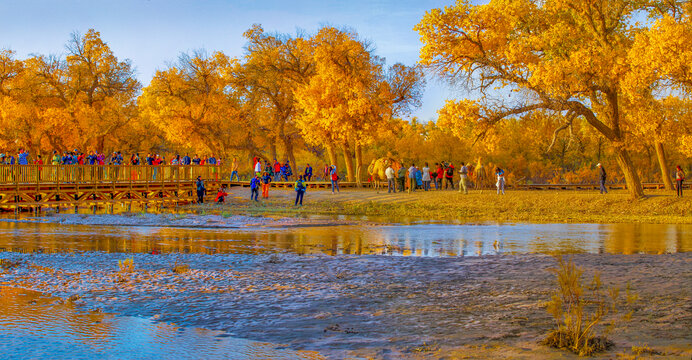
94, 174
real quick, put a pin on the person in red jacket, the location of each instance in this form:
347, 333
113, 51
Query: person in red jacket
440, 177
220, 196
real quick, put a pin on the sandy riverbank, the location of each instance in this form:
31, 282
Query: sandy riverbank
370, 306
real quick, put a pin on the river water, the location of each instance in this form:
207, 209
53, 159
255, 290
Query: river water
37, 325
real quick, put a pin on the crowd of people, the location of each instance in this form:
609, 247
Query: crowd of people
76, 157
441, 175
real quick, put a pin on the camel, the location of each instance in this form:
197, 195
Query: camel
377, 168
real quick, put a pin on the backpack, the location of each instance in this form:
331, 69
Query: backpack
450, 171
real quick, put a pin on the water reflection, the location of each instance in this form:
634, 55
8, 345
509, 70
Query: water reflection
35, 326
407, 240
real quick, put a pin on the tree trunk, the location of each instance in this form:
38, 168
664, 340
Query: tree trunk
348, 157
663, 165
288, 147
272, 148
634, 184
332, 155
359, 165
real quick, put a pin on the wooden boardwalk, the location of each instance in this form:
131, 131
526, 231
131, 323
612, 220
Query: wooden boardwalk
35, 186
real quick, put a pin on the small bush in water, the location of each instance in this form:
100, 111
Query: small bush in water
127, 265
578, 310
180, 268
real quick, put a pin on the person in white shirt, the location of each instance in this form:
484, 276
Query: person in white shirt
426, 177
258, 167
389, 173
463, 178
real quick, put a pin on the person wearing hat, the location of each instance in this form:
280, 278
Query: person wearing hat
602, 179
200, 190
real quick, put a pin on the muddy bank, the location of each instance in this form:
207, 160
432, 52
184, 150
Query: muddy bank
385, 307
178, 220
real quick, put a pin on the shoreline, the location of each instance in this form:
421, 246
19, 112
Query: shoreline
371, 306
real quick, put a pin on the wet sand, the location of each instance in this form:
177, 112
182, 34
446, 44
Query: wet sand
370, 306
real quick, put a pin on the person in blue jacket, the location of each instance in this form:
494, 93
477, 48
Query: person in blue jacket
300, 190
23, 157
254, 187
308, 173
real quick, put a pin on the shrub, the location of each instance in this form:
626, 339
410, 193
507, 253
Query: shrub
180, 268
578, 310
127, 265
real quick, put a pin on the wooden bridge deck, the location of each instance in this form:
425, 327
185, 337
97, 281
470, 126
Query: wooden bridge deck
23, 186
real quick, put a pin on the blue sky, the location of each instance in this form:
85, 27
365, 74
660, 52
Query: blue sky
153, 33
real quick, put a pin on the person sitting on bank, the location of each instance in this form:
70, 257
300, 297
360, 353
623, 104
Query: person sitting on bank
221, 196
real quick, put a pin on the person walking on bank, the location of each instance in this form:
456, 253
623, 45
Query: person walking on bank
300, 190
266, 179
679, 178
254, 187
426, 177
449, 176
258, 167
401, 178
200, 190
391, 182
500, 181
335, 179
463, 178
412, 178
602, 178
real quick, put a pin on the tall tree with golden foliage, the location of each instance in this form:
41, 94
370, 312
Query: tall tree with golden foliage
563, 56
195, 105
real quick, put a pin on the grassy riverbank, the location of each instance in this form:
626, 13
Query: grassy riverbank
524, 206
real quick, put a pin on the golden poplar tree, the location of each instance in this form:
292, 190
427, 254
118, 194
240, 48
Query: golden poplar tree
564, 56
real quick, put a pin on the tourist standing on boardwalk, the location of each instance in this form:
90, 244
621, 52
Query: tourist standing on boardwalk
463, 178
289, 171
300, 190
254, 187
334, 175
500, 180
308, 173
391, 182
200, 190
426, 177
234, 169
602, 178
266, 179
23, 157
679, 178
277, 170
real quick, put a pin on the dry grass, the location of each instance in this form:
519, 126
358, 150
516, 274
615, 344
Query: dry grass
127, 265
579, 310
180, 268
